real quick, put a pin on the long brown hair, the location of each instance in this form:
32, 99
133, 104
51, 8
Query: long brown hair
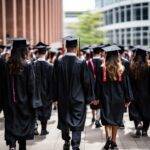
138, 64
17, 60
114, 67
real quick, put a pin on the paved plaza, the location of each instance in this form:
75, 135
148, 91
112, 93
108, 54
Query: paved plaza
92, 139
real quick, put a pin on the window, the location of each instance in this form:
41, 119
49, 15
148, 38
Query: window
137, 12
145, 11
128, 13
122, 14
117, 15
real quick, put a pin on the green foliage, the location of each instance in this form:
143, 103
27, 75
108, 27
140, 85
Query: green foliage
88, 28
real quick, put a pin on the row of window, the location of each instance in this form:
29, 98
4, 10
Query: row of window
102, 3
127, 13
130, 36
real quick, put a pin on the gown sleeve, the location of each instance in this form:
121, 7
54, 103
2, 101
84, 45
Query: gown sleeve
31, 84
50, 84
127, 88
88, 83
55, 81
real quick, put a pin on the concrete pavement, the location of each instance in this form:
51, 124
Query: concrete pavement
92, 139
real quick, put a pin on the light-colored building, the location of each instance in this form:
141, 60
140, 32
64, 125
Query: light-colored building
126, 22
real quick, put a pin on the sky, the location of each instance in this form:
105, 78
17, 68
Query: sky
78, 5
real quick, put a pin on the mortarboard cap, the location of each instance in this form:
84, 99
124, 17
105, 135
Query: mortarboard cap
112, 50
54, 50
140, 50
86, 49
71, 41
41, 46
19, 43
98, 48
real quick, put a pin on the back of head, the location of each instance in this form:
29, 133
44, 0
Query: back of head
138, 64
113, 62
18, 57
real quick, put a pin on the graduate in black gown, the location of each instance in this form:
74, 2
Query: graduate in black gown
18, 97
94, 65
139, 109
43, 83
73, 89
113, 92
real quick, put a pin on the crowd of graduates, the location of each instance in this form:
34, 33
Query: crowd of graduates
108, 77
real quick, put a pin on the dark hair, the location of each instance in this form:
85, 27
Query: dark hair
138, 64
17, 60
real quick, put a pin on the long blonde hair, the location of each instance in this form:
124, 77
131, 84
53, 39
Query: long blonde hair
114, 67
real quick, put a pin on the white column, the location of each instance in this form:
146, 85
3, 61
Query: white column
4, 20
15, 18
24, 17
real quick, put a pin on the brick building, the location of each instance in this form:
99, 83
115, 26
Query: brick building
36, 20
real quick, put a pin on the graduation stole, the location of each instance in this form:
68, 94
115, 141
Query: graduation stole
91, 66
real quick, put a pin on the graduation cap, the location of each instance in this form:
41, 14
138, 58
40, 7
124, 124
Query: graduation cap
98, 48
54, 50
71, 41
140, 50
86, 49
41, 47
112, 50
41, 44
19, 43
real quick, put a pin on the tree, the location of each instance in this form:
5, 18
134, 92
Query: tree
88, 28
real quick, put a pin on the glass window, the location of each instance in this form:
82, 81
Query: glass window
145, 11
122, 14
117, 15
137, 12
128, 13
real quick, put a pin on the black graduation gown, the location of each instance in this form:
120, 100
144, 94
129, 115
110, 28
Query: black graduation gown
94, 66
18, 97
113, 95
73, 89
1, 70
43, 93
139, 109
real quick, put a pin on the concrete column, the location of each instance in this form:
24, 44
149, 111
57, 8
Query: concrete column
19, 12
15, 18
24, 17
1, 23
37, 21
42, 20
11, 20
31, 22
46, 21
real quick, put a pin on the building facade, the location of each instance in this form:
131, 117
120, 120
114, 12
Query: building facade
35, 20
126, 22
